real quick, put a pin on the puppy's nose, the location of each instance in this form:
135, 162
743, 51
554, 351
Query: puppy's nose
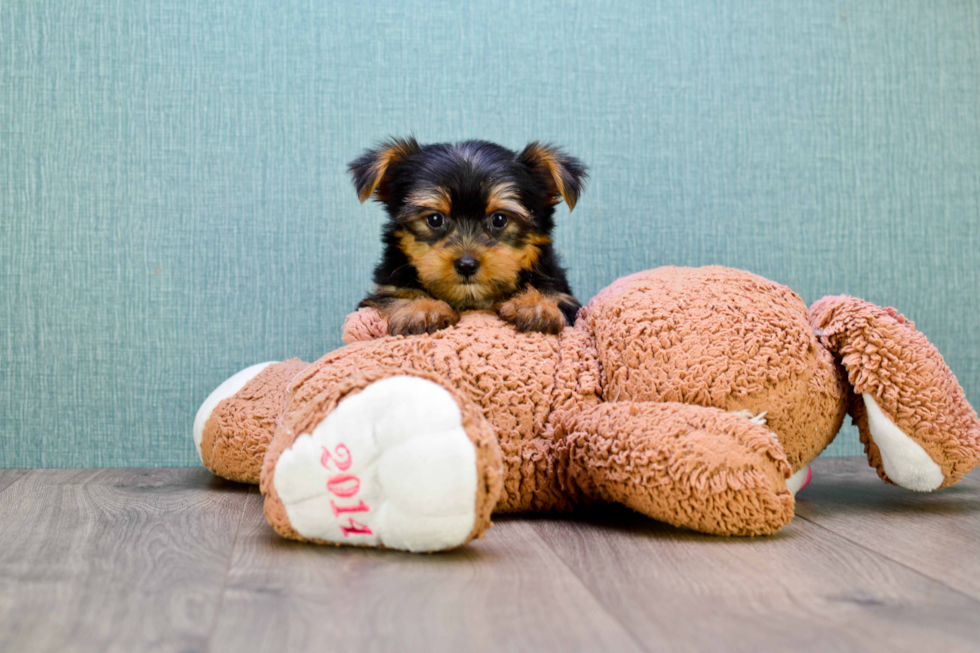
466, 265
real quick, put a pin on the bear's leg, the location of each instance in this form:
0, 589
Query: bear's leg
801, 478
235, 423
690, 466
918, 429
399, 461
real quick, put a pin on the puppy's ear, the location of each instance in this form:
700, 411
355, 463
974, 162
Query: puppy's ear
562, 175
369, 169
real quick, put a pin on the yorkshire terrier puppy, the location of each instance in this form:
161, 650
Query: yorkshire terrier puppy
469, 228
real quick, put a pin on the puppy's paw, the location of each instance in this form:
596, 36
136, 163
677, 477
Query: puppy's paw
532, 311
421, 316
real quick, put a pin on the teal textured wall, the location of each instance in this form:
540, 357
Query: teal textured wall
174, 206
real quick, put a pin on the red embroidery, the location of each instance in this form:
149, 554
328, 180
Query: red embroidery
344, 485
355, 528
360, 507
343, 463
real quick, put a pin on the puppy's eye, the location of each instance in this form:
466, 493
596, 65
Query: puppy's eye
499, 220
435, 221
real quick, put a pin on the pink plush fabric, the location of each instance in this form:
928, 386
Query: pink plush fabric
364, 324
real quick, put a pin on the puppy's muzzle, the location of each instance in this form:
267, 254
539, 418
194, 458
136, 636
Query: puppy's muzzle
466, 266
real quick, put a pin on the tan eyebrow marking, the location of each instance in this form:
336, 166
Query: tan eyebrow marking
503, 197
436, 199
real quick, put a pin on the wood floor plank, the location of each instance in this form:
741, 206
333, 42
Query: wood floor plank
10, 476
114, 560
507, 592
801, 590
935, 533
131, 560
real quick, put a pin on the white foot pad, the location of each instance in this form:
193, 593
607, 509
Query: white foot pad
227, 389
799, 480
905, 461
390, 466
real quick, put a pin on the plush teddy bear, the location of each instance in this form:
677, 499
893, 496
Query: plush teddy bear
694, 396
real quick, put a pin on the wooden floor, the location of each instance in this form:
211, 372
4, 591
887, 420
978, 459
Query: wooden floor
177, 560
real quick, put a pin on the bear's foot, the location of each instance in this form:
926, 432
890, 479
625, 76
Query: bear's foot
226, 390
392, 466
236, 422
918, 429
901, 459
799, 480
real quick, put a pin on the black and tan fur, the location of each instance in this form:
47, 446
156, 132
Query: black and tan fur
469, 228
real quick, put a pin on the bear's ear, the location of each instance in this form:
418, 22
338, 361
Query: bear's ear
562, 176
369, 169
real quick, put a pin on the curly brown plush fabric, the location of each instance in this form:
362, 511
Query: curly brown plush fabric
887, 358
364, 324
722, 338
240, 427
342, 383
641, 402
699, 468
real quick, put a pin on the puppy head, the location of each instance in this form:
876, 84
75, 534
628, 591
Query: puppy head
470, 217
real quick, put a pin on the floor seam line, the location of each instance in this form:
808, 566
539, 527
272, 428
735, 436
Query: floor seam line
27, 472
891, 559
633, 637
224, 580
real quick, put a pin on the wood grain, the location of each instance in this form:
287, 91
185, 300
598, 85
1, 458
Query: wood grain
803, 589
177, 560
114, 560
508, 592
935, 533
10, 476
